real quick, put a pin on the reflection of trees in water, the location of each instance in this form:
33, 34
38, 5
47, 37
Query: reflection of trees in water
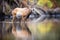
51, 29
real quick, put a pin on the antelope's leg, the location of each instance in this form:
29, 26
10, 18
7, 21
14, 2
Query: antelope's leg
22, 23
13, 21
24, 26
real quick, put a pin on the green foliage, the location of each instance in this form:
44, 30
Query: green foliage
49, 4
45, 2
58, 0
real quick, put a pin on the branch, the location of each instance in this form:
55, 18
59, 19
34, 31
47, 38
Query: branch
16, 2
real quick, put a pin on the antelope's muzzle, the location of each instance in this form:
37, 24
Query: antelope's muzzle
18, 15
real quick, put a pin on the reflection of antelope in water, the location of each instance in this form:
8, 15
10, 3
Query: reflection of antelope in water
17, 13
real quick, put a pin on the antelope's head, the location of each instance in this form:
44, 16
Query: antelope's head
20, 12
